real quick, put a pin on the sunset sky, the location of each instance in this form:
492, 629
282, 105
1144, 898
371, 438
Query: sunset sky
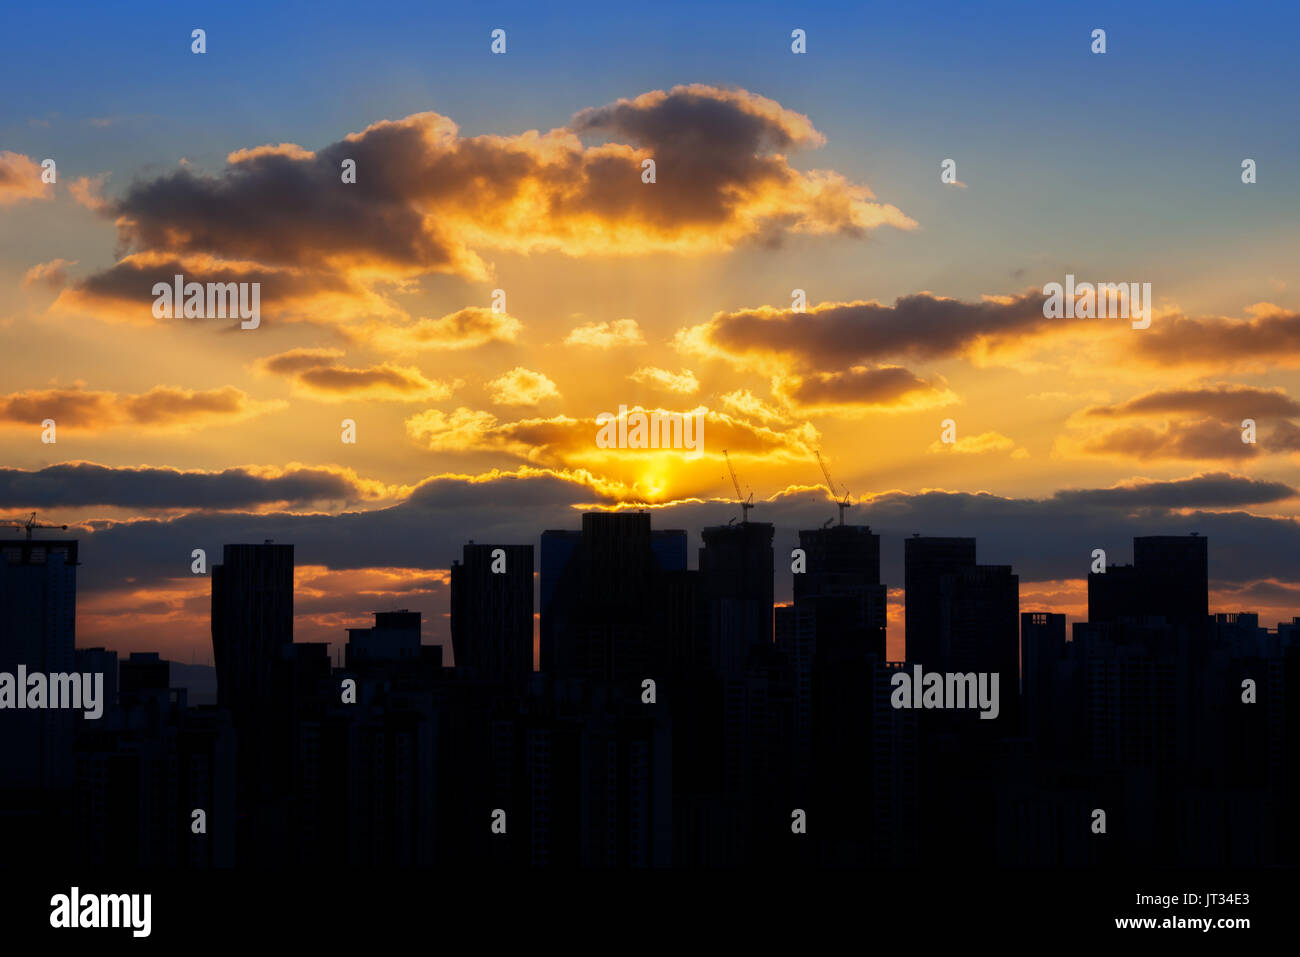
522, 172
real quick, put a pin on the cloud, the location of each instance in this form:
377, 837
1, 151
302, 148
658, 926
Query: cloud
428, 200
468, 328
1205, 489
316, 373
1208, 424
1270, 336
606, 335
148, 488
1224, 401
643, 475
683, 383
162, 408
979, 444
1195, 440
20, 179
841, 335
88, 191
522, 386
861, 389
124, 292
744, 403
53, 274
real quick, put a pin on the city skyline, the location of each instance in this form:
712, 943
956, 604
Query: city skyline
680, 718
802, 266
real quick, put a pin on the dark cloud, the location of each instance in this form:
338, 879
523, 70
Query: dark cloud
1211, 489
1200, 439
1221, 401
86, 483
836, 335
1270, 335
427, 530
317, 373
427, 200
124, 291
870, 388
162, 407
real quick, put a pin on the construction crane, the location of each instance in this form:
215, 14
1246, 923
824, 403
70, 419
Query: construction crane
843, 504
31, 523
745, 503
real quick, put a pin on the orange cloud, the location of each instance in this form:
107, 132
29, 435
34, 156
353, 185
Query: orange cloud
1200, 423
840, 335
316, 373
979, 444
522, 386
53, 274
1270, 337
124, 292
606, 335
650, 474
20, 179
427, 200
861, 389
162, 408
467, 328
683, 383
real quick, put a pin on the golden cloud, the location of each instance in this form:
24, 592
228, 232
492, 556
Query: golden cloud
522, 386
162, 408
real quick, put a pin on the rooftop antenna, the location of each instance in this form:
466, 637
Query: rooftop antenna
31, 523
841, 503
745, 503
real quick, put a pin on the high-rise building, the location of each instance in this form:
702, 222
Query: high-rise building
979, 623
395, 636
492, 611
617, 599
841, 587
926, 560
1169, 578
558, 546
1042, 649
736, 567
252, 622
38, 605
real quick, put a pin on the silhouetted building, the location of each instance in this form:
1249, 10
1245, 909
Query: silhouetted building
603, 602
558, 546
1169, 578
492, 611
736, 567
1042, 649
252, 621
38, 605
842, 587
926, 560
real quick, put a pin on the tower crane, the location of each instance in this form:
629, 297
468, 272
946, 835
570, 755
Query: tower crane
31, 523
842, 503
745, 503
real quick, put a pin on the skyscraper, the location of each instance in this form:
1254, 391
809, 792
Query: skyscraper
252, 622
926, 561
38, 604
1169, 578
736, 566
492, 611
841, 586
